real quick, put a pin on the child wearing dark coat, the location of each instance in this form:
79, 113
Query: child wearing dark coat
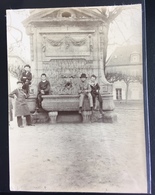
95, 92
21, 107
26, 78
43, 89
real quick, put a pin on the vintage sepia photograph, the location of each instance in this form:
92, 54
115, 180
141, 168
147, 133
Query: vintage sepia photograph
76, 99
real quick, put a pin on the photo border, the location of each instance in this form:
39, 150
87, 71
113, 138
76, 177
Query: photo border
148, 80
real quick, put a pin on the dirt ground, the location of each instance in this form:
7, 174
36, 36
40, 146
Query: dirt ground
96, 157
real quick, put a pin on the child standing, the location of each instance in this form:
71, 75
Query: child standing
84, 90
21, 107
26, 78
95, 88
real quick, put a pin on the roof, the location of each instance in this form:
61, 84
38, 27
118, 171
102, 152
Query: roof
53, 14
122, 55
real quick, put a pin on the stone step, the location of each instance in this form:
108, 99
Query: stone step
69, 117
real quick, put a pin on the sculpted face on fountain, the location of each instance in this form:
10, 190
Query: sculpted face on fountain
68, 84
67, 81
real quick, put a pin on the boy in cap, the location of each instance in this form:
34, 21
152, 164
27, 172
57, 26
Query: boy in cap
43, 89
84, 90
95, 88
21, 107
26, 78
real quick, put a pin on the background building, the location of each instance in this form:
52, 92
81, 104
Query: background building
124, 69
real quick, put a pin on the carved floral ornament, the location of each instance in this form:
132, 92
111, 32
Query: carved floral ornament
67, 40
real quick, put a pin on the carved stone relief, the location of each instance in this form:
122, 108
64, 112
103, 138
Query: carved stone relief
31, 47
54, 45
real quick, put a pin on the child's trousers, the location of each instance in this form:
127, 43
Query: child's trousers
26, 88
20, 121
82, 95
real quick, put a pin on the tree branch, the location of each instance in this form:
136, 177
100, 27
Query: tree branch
102, 11
114, 14
21, 34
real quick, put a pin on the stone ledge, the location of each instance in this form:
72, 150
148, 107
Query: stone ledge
56, 103
63, 103
71, 103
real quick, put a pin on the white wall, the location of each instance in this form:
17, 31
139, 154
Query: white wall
135, 90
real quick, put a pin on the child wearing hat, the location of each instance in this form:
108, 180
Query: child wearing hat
95, 92
84, 90
26, 78
21, 107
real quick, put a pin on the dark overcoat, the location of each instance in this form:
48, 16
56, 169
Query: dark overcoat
26, 76
21, 107
45, 86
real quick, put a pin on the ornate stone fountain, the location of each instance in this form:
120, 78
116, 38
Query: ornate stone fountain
64, 44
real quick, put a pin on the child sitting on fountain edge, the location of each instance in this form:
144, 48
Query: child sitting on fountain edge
43, 89
84, 90
95, 92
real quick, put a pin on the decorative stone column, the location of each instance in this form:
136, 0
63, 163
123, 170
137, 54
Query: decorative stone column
86, 116
53, 117
106, 88
108, 103
108, 107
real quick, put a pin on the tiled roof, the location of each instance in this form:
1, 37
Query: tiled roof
122, 55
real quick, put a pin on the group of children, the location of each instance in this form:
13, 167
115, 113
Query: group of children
91, 90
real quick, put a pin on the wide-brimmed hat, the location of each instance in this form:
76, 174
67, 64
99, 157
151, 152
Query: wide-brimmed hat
19, 82
27, 66
83, 75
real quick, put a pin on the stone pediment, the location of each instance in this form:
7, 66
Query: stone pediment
60, 14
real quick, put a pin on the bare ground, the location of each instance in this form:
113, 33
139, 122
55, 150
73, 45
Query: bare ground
96, 157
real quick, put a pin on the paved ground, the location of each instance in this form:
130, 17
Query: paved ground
81, 157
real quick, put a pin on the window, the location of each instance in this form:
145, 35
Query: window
118, 94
